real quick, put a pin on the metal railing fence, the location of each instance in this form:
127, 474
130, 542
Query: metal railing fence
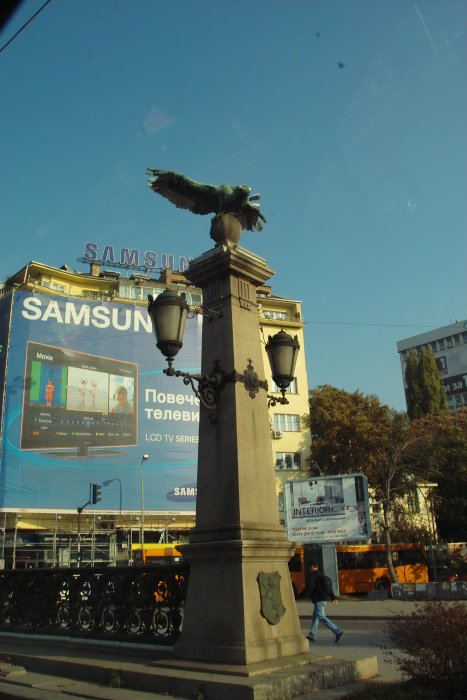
122, 603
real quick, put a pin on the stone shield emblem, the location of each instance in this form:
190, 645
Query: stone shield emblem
272, 607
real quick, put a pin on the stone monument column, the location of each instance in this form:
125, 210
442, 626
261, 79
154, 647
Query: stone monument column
240, 607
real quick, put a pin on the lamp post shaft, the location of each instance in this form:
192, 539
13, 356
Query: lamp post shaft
78, 562
141, 536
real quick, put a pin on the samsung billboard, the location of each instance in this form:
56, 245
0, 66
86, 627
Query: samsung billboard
327, 509
85, 398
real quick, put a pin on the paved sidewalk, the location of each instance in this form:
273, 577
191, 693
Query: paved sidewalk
360, 608
364, 609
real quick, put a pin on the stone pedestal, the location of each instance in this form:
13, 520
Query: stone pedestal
237, 543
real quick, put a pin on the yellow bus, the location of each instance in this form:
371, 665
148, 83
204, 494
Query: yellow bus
362, 567
155, 553
297, 572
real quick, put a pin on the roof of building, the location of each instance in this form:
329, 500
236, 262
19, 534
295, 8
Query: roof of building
431, 336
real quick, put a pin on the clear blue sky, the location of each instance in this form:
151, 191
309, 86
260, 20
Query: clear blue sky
361, 168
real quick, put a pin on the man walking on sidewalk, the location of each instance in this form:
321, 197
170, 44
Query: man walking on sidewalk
320, 592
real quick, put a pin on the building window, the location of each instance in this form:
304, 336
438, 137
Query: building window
136, 292
442, 344
275, 315
413, 503
50, 284
457, 340
287, 423
288, 460
292, 388
91, 294
281, 500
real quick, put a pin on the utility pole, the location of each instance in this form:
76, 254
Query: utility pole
78, 554
94, 496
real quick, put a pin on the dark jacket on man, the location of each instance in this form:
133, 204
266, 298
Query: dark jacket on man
320, 587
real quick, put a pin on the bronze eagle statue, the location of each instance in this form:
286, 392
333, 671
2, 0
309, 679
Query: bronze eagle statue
200, 198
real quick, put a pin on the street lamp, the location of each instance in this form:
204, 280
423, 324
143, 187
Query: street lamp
282, 351
141, 534
168, 313
109, 481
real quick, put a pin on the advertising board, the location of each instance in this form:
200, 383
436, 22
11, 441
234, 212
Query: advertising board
452, 366
85, 398
327, 509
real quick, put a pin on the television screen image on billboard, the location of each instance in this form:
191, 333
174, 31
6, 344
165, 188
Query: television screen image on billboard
85, 398
76, 400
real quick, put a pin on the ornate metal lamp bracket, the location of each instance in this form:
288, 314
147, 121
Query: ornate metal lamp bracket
253, 384
249, 379
209, 386
207, 312
273, 400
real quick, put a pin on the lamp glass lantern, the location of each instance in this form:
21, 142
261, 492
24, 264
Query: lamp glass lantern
168, 313
282, 351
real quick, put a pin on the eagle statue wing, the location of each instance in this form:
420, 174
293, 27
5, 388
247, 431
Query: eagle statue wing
184, 192
206, 199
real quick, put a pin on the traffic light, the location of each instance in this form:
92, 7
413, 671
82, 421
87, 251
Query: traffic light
96, 493
137, 557
78, 557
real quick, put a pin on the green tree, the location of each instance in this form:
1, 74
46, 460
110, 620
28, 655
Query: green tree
390, 477
351, 432
425, 393
405, 528
345, 428
440, 453
412, 392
